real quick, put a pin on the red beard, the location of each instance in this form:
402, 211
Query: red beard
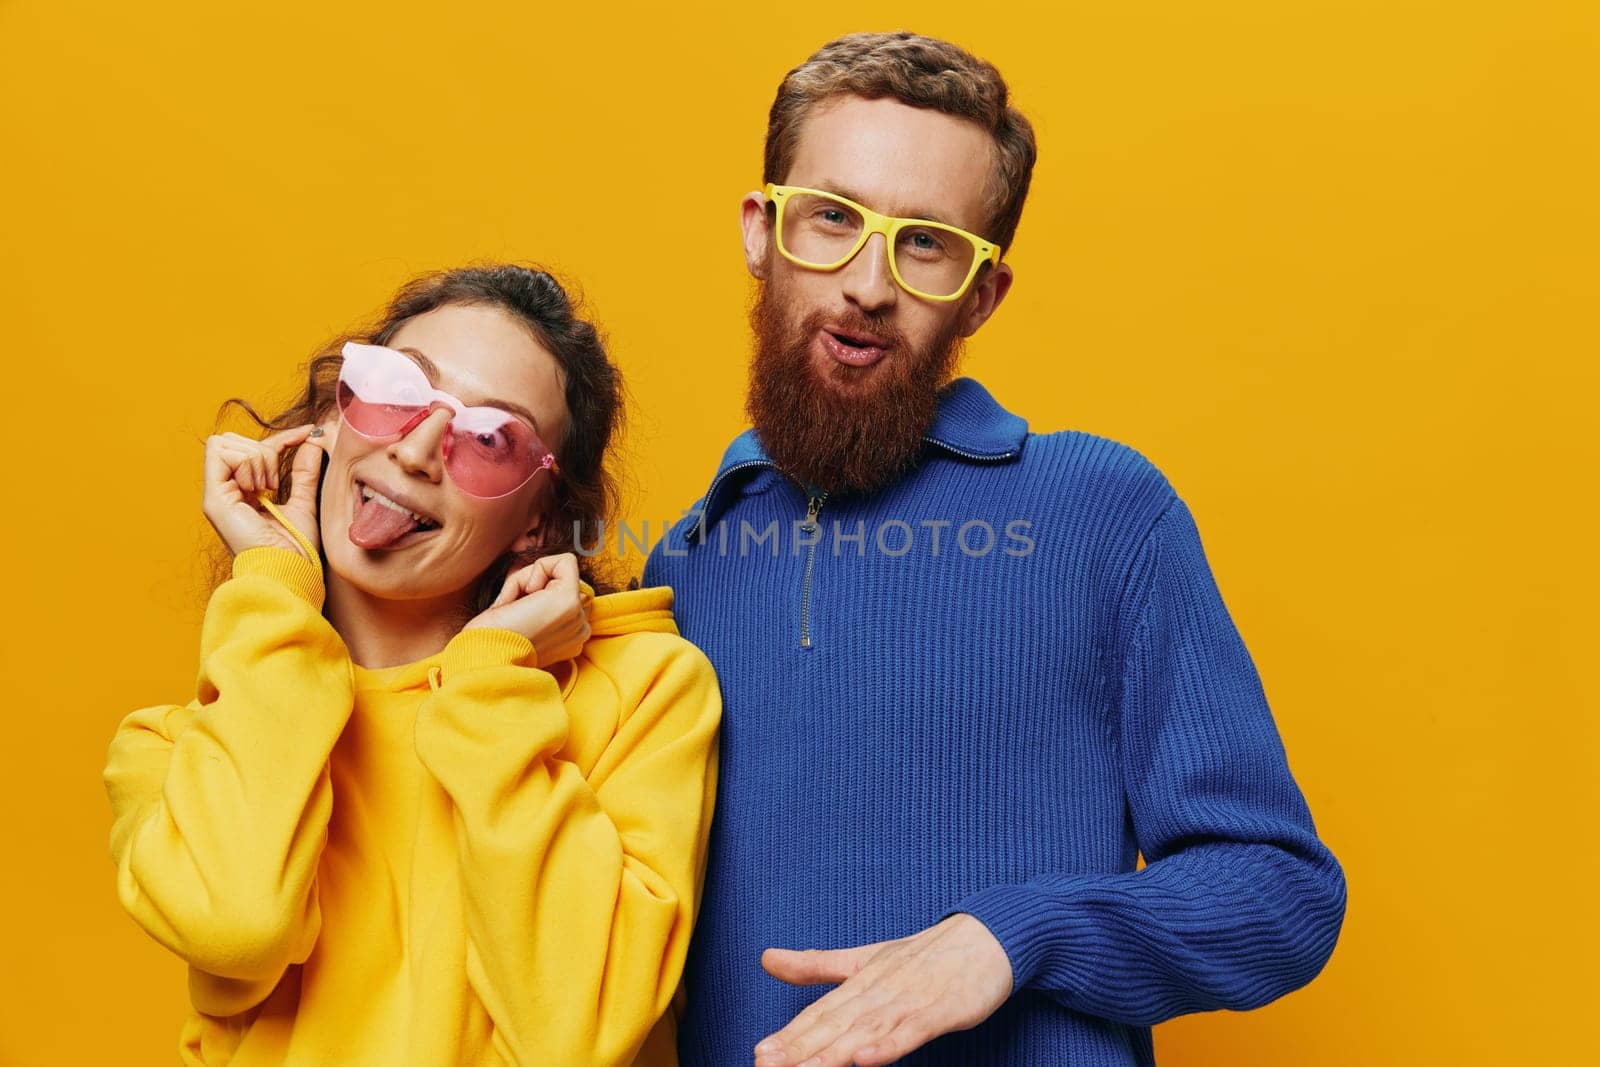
850, 429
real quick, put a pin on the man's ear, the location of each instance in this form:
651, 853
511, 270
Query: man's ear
755, 225
987, 293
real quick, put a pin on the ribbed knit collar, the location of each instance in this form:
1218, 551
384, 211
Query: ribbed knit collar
969, 424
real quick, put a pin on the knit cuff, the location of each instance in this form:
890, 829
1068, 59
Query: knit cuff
485, 646
284, 565
1023, 921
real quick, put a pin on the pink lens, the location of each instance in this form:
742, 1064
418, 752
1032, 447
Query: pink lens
376, 418
488, 452
488, 459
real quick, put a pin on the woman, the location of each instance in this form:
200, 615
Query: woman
434, 802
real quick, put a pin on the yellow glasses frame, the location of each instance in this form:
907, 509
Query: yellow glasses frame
888, 225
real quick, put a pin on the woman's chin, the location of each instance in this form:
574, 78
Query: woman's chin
390, 575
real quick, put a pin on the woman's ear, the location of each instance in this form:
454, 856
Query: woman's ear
327, 430
532, 539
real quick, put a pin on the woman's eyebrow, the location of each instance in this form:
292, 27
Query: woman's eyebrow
431, 369
428, 366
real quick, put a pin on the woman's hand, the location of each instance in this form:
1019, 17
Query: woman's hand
238, 469
544, 603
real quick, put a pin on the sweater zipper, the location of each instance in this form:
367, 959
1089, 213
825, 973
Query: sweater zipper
700, 531
964, 454
814, 504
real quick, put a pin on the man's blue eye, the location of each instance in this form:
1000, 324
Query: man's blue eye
923, 242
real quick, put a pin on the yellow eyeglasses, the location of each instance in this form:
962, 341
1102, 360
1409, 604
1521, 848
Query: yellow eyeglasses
928, 259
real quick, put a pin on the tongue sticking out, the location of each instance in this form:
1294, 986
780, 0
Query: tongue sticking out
379, 526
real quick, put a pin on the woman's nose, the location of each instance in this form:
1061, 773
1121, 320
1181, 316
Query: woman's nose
420, 449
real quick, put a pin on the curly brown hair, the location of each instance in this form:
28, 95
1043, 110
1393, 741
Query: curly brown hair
587, 491
920, 72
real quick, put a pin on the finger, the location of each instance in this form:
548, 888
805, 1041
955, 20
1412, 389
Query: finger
305, 472
910, 1034
244, 475
226, 460
866, 1029
215, 467
564, 570
816, 966
271, 447
511, 588
261, 462
237, 447
538, 574
277, 442
525, 581
261, 468
220, 462
807, 1033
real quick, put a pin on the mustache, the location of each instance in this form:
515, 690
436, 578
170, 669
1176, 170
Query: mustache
834, 426
854, 321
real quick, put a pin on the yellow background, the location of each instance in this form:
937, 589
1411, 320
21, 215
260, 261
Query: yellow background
1331, 265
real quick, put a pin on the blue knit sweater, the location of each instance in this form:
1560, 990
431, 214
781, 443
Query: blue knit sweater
1000, 724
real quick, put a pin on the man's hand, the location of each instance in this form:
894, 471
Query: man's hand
896, 996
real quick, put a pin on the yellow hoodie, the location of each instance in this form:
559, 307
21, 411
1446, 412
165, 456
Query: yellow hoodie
462, 860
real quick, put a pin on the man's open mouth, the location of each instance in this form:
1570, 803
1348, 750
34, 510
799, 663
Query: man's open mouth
853, 348
855, 340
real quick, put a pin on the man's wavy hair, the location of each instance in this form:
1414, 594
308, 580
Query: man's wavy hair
920, 72
586, 493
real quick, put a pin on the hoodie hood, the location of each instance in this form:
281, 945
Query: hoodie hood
632, 611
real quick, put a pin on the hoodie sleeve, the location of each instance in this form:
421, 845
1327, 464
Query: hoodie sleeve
580, 890
1240, 902
220, 808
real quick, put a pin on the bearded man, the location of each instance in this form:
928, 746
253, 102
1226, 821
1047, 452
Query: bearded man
970, 673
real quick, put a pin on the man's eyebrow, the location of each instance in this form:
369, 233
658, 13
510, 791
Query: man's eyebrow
846, 192
431, 369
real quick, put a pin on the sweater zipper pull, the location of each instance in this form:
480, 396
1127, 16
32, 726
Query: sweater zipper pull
815, 498
813, 505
